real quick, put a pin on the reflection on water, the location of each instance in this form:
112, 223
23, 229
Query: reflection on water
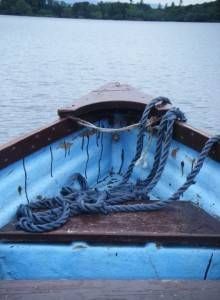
46, 63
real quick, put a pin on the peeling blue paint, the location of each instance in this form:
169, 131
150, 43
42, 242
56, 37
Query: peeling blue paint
82, 261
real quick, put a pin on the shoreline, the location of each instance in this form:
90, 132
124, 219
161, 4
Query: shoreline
126, 20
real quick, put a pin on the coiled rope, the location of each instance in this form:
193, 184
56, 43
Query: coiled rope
51, 213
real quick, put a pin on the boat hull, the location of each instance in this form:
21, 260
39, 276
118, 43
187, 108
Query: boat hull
178, 242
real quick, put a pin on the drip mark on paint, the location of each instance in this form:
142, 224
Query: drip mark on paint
69, 147
25, 180
208, 267
122, 161
100, 159
83, 142
19, 190
87, 153
182, 167
111, 172
98, 134
65, 147
51, 162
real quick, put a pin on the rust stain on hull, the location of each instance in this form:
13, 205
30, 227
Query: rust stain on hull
65, 145
88, 132
174, 152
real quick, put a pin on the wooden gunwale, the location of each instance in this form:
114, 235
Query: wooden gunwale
90, 108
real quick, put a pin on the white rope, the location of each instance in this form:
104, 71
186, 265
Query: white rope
87, 124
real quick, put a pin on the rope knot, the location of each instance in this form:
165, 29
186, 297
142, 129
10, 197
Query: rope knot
91, 205
141, 194
180, 116
161, 101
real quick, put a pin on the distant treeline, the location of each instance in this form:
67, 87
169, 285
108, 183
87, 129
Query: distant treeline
206, 12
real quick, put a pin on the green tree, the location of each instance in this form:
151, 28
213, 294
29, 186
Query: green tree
66, 13
34, 5
50, 3
114, 10
21, 8
6, 5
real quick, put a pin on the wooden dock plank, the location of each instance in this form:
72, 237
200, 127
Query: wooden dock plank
108, 289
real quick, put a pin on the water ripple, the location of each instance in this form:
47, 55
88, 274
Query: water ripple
46, 63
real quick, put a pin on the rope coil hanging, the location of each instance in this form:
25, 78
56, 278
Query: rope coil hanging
51, 213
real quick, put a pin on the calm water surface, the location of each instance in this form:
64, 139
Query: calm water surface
46, 63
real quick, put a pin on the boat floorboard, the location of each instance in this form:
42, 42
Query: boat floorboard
181, 222
109, 289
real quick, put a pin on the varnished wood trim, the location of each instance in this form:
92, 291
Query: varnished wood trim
21, 147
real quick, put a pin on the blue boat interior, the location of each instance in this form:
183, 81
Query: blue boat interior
102, 159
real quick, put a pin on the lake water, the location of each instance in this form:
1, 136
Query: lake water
46, 63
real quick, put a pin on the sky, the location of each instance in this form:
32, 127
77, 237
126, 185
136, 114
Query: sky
185, 2
163, 2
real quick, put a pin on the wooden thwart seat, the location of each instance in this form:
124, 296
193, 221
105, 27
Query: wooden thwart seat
181, 222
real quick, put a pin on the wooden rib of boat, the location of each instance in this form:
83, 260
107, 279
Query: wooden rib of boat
180, 241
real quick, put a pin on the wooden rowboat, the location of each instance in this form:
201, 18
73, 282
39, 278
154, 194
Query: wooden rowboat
180, 241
